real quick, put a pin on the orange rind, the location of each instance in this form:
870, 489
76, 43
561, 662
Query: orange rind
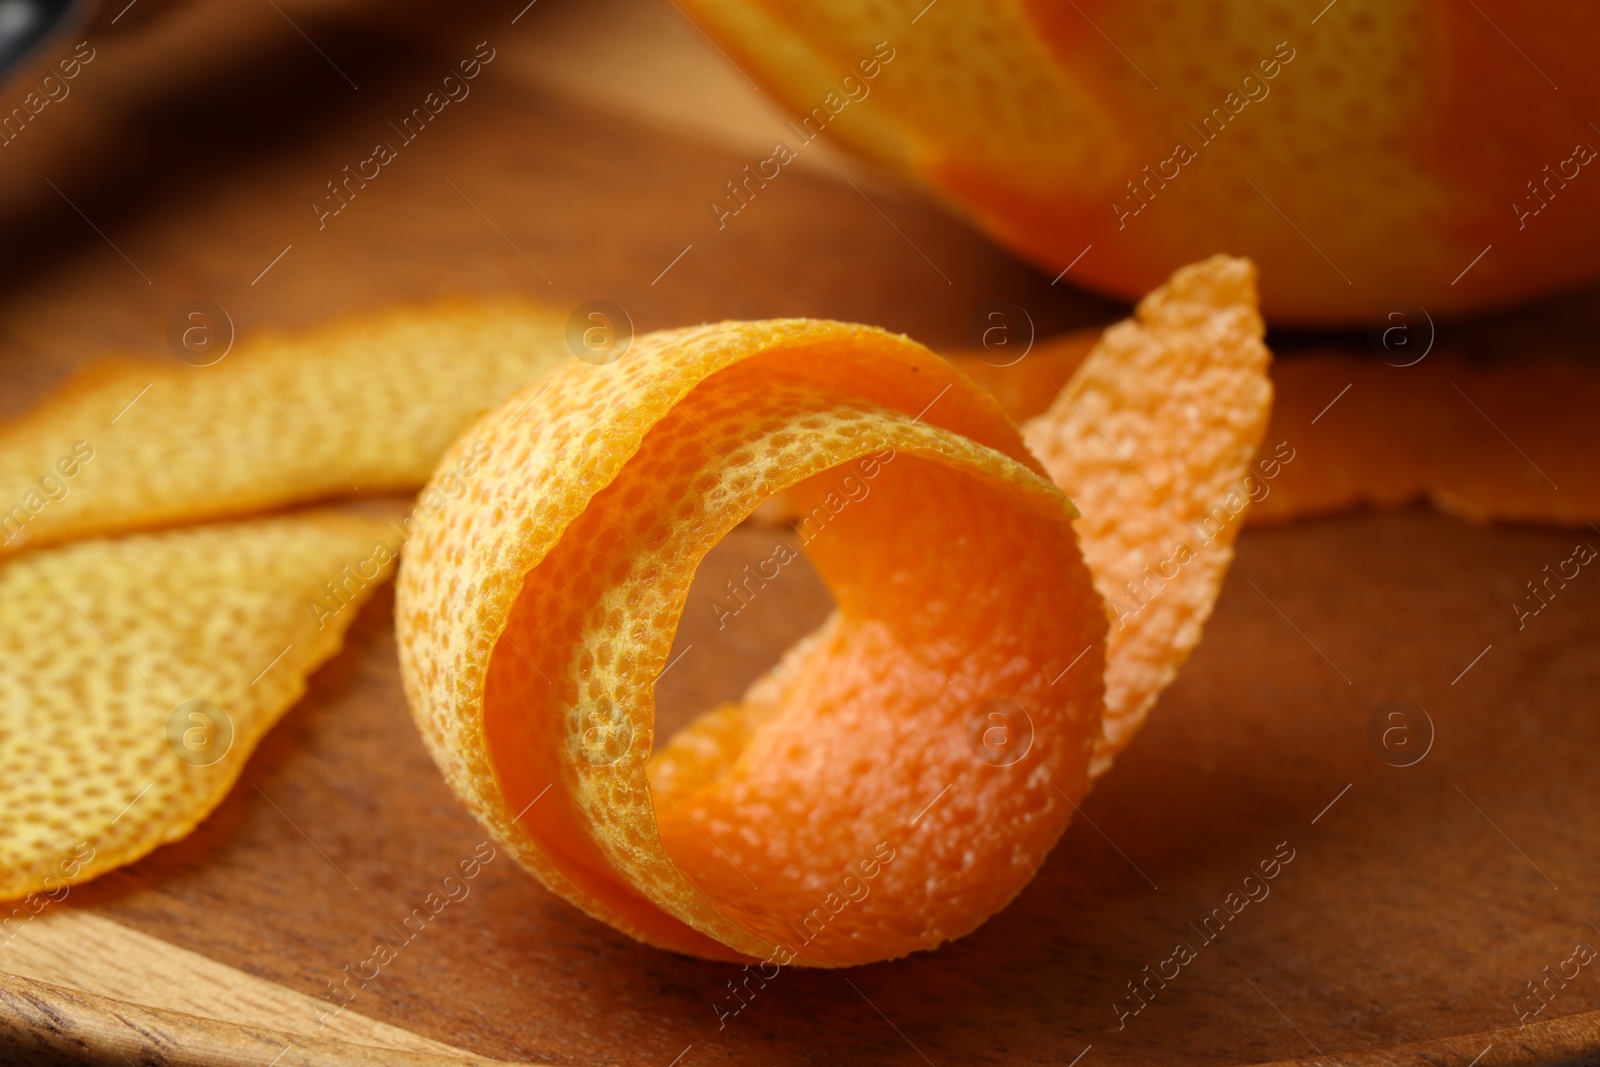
1485, 442
1365, 156
902, 772
1028, 386
363, 406
138, 675
1154, 437
1482, 441
535, 615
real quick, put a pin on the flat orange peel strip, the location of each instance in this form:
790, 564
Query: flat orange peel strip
119, 658
1482, 441
845, 815
1153, 437
360, 406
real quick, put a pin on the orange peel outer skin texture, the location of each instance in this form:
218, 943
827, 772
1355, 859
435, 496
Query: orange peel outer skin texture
355, 407
1362, 154
109, 649
1154, 437
852, 808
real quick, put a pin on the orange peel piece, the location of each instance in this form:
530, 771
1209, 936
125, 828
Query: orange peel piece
138, 675
859, 805
1153, 438
1485, 442
362, 406
1028, 386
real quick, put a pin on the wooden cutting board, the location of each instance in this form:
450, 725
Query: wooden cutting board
1419, 900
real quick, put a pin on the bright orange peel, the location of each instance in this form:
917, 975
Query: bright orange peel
1028, 386
860, 806
1153, 437
1483, 441
1502, 441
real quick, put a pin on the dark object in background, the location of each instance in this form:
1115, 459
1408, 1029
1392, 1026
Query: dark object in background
26, 26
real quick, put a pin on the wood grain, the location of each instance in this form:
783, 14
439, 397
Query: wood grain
42, 1023
84, 951
1568, 1041
1420, 899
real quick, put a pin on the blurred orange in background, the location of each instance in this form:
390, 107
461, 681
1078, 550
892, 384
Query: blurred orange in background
1367, 156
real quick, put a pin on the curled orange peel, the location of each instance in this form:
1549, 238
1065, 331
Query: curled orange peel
1154, 436
858, 805
1150, 427
903, 771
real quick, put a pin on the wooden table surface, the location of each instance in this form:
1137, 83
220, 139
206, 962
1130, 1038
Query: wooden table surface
1419, 900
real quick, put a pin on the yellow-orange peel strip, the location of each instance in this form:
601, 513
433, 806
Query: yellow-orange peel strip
860, 806
360, 406
137, 676
1153, 437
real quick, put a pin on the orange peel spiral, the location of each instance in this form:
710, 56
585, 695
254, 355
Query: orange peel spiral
853, 807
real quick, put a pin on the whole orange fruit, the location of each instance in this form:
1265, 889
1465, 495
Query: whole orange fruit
1368, 155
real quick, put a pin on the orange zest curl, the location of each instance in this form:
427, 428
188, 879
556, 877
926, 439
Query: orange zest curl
847, 810
903, 771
